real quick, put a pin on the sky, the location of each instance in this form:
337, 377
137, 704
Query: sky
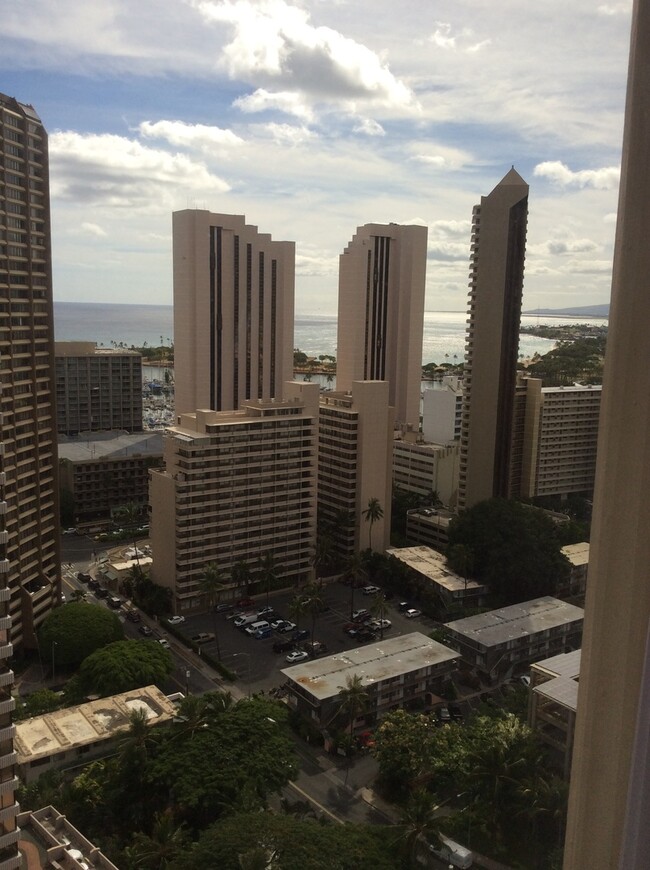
314, 117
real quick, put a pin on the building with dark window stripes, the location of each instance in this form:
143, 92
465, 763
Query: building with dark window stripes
233, 312
381, 312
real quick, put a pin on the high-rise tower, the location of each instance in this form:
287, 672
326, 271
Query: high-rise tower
233, 312
27, 411
381, 312
496, 284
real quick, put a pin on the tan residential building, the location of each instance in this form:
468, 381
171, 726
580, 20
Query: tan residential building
425, 468
496, 285
381, 313
97, 388
355, 443
27, 407
237, 485
233, 312
432, 568
557, 439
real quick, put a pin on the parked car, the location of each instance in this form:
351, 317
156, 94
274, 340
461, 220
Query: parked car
403, 606
265, 612
365, 635
379, 624
287, 627
315, 649
176, 620
411, 613
360, 615
245, 619
145, 630
443, 716
164, 642
224, 607
100, 592
244, 603
301, 634
115, 602
277, 623
456, 713
133, 616
281, 646
71, 531
298, 655
371, 590
202, 637
83, 578
94, 585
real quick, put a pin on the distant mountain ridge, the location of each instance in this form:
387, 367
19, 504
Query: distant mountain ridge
582, 311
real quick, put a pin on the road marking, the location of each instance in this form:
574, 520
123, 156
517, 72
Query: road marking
313, 801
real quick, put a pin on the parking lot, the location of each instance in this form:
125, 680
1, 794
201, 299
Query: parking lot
258, 666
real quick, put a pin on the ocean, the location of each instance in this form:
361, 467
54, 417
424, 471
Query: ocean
111, 325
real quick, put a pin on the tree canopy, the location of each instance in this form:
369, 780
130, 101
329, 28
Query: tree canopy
125, 665
77, 630
289, 843
512, 547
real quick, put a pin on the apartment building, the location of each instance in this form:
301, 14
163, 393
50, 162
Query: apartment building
553, 702
425, 468
236, 486
381, 313
27, 408
442, 410
496, 285
498, 641
233, 312
398, 672
29, 558
97, 389
107, 472
355, 442
431, 566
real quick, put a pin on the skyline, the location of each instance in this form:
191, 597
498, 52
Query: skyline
305, 119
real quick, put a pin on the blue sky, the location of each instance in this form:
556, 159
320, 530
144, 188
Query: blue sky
312, 118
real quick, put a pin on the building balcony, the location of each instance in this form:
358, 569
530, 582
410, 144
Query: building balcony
9, 786
16, 861
9, 813
7, 706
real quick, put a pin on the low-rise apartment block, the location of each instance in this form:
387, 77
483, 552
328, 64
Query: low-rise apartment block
97, 388
553, 704
497, 642
237, 486
75, 735
432, 568
425, 468
429, 526
49, 840
578, 556
400, 672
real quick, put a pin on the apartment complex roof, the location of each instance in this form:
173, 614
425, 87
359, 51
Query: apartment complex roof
111, 445
433, 566
374, 663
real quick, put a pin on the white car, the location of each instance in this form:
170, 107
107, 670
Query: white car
69, 532
298, 655
176, 620
371, 590
378, 624
164, 643
412, 613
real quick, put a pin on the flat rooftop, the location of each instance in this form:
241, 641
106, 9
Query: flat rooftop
62, 730
519, 620
433, 566
562, 690
563, 665
577, 554
111, 445
324, 678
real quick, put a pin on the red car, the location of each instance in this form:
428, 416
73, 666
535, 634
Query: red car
244, 602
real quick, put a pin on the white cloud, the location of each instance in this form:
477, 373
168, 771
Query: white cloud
316, 265
610, 217
558, 173
611, 9
284, 134
274, 41
571, 246
442, 38
369, 127
289, 102
184, 135
122, 173
431, 159
93, 230
453, 228
588, 267
441, 35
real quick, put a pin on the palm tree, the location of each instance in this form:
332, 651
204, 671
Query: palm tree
78, 595
353, 572
162, 847
461, 559
241, 575
267, 572
379, 608
298, 607
418, 819
353, 699
211, 585
193, 714
314, 604
372, 514
129, 515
